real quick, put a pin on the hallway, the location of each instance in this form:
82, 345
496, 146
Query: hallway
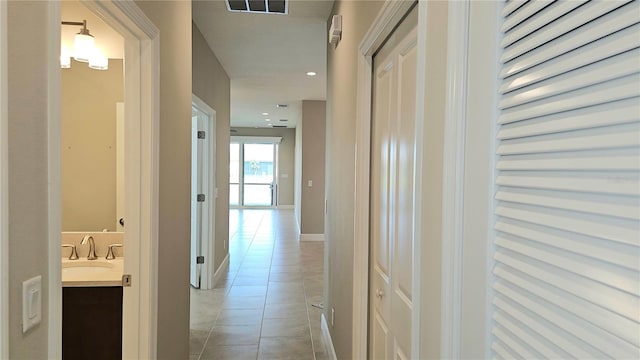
262, 307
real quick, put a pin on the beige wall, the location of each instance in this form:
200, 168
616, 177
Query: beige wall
211, 84
88, 151
286, 161
173, 19
313, 162
297, 177
357, 16
28, 216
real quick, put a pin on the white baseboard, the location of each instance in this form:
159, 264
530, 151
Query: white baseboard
311, 237
328, 343
285, 207
221, 270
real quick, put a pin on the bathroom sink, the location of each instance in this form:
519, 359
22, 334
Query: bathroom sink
91, 272
90, 264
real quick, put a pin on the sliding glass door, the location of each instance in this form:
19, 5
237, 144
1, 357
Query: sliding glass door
258, 169
252, 174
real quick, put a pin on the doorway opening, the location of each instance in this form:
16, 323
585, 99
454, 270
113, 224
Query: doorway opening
141, 104
203, 194
253, 172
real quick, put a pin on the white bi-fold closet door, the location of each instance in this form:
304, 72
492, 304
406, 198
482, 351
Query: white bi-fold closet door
392, 178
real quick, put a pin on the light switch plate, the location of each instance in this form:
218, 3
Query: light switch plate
31, 303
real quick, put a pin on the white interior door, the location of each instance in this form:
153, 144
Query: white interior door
392, 183
199, 169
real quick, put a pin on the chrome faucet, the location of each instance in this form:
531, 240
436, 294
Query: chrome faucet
92, 247
111, 255
74, 254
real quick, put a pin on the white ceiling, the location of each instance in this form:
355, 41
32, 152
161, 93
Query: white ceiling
266, 56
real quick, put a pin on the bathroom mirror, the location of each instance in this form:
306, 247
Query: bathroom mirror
90, 147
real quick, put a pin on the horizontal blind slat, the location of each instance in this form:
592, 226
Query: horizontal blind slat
617, 254
620, 163
581, 16
500, 352
619, 234
620, 89
627, 137
512, 6
542, 327
514, 344
581, 332
617, 43
619, 330
616, 301
622, 18
619, 278
537, 21
615, 184
524, 12
586, 206
606, 70
607, 114
541, 348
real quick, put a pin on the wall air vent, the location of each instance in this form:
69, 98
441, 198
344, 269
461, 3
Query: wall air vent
259, 6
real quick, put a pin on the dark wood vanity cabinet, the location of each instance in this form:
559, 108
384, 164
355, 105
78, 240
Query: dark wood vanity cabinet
92, 323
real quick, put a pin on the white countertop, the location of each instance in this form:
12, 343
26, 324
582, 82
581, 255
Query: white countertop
99, 272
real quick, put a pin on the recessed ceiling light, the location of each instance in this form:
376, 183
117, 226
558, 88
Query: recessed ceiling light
265, 114
311, 73
267, 119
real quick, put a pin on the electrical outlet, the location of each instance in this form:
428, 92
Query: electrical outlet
333, 315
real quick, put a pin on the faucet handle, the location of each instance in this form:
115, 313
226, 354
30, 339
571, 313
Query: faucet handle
74, 251
110, 253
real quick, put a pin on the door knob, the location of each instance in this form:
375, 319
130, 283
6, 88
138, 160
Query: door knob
379, 293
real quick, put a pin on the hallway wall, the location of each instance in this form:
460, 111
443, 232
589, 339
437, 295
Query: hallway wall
27, 65
357, 17
173, 19
313, 167
212, 85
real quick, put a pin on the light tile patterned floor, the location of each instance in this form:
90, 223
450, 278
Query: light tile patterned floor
262, 309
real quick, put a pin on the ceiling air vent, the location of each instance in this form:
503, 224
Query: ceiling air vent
259, 6
279, 126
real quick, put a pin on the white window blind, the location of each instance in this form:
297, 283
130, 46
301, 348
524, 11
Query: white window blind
567, 232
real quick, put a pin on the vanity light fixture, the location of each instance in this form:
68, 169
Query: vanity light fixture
84, 49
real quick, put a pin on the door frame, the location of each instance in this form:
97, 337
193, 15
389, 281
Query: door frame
142, 83
208, 245
450, 241
4, 189
390, 15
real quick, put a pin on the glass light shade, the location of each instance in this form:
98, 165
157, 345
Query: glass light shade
65, 58
98, 61
83, 47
